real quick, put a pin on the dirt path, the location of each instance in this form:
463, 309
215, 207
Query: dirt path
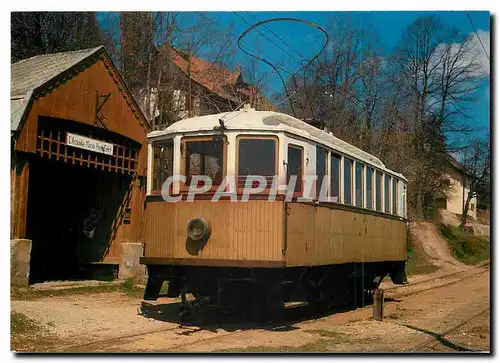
110, 322
434, 247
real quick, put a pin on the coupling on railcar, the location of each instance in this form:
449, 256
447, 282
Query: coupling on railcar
259, 208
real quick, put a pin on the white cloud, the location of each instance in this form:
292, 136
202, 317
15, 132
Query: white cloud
475, 52
483, 58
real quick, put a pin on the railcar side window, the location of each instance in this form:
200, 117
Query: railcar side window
335, 181
369, 188
387, 191
321, 158
256, 157
378, 191
347, 181
394, 196
294, 166
359, 184
205, 158
163, 162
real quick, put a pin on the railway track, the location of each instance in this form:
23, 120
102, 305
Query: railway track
291, 316
440, 338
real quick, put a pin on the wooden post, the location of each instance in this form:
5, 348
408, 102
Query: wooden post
378, 305
19, 195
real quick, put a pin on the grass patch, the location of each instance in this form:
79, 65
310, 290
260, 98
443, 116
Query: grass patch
464, 246
27, 335
416, 265
127, 287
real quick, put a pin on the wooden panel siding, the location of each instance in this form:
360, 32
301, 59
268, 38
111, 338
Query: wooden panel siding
75, 99
324, 235
240, 231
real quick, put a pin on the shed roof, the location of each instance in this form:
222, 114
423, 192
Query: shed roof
249, 119
33, 73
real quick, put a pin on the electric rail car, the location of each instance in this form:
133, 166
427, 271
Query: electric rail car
327, 238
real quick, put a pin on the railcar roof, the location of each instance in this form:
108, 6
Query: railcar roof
251, 120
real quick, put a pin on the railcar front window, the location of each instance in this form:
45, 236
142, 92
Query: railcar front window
321, 158
378, 191
369, 188
347, 181
294, 166
205, 158
359, 184
387, 190
256, 157
335, 182
163, 162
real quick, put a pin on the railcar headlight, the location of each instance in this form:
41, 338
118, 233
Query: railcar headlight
198, 229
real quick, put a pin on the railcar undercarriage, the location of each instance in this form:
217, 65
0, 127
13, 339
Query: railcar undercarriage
264, 291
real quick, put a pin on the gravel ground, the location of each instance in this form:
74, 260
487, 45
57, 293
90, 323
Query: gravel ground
111, 322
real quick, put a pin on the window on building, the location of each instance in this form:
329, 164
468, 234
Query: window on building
294, 166
347, 181
335, 178
394, 196
205, 158
163, 162
387, 195
472, 207
256, 156
378, 191
359, 184
321, 159
369, 188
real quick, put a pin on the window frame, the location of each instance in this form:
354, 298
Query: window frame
154, 144
362, 188
395, 199
299, 177
372, 184
387, 193
326, 152
344, 159
378, 191
184, 187
255, 137
337, 156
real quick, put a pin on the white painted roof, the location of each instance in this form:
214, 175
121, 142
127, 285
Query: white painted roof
251, 120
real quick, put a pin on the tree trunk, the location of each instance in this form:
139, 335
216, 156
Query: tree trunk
463, 219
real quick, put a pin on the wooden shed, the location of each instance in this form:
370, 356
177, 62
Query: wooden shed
78, 162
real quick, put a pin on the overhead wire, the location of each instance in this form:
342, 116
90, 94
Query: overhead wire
300, 54
271, 64
268, 39
236, 36
477, 35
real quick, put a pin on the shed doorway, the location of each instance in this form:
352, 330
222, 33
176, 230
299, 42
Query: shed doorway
73, 214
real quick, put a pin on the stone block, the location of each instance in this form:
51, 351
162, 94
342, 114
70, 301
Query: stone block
130, 266
20, 255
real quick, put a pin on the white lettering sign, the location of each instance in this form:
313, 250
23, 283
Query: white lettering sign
89, 144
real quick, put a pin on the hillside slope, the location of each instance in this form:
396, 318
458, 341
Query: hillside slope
429, 242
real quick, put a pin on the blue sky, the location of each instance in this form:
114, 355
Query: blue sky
387, 26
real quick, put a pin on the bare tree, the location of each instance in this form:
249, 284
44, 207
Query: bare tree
34, 33
477, 166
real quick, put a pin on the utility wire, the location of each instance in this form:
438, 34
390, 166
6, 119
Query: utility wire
477, 35
236, 36
270, 40
300, 54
